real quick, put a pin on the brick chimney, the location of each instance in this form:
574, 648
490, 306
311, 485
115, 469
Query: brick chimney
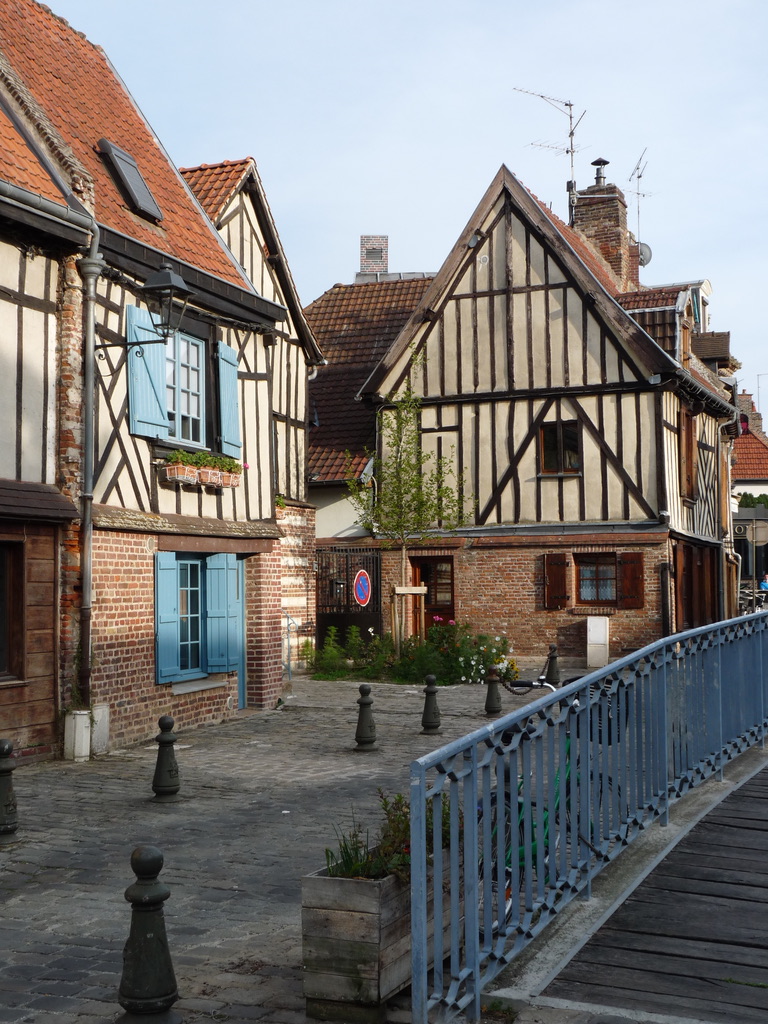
374, 254
600, 216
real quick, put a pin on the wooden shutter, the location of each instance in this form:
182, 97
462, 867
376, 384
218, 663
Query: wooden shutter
223, 610
147, 405
631, 579
556, 581
166, 617
228, 401
216, 612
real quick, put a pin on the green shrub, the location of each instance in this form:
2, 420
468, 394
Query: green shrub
452, 653
330, 660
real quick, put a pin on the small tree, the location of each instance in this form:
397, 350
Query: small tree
410, 493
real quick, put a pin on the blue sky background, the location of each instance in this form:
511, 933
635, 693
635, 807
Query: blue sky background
393, 117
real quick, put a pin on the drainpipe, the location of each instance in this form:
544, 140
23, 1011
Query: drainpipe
90, 267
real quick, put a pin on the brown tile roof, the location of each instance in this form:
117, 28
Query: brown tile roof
354, 326
73, 84
592, 259
750, 454
650, 298
19, 165
215, 184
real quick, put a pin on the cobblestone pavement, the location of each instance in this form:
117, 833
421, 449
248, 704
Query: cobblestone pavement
259, 800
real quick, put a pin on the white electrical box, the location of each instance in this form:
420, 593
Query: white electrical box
598, 641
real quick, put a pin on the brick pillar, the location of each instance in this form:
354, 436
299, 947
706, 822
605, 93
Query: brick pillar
69, 397
600, 216
263, 628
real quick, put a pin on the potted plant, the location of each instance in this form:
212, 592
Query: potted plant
178, 468
356, 920
202, 467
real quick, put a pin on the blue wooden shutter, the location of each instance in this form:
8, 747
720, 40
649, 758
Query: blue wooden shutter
166, 616
147, 406
229, 407
234, 614
216, 612
223, 613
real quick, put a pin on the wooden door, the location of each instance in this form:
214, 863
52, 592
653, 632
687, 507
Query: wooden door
436, 574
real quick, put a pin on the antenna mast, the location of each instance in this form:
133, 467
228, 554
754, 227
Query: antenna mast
638, 174
565, 107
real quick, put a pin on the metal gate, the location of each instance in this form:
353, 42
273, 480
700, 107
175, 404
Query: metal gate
337, 568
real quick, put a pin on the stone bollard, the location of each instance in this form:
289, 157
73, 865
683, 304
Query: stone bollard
9, 820
365, 737
166, 782
553, 669
430, 720
493, 694
148, 984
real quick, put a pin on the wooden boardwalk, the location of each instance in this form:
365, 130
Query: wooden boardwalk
692, 940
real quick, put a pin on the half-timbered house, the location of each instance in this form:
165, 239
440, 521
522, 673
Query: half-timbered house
233, 196
123, 587
589, 437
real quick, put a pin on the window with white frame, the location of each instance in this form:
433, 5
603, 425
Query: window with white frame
170, 382
198, 615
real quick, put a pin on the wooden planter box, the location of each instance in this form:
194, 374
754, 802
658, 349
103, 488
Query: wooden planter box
356, 941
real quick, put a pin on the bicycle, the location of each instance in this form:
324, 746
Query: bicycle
539, 829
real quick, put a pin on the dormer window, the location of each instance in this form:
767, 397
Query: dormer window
128, 178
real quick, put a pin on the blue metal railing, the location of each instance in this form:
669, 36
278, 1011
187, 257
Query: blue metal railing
533, 806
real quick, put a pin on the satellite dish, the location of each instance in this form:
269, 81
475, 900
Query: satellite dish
645, 254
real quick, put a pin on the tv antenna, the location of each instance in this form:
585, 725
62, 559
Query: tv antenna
565, 107
637, 176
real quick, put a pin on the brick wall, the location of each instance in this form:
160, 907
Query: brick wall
297, 552
499, 589
123, 674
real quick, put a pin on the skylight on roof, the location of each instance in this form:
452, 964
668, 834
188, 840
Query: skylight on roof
128, 177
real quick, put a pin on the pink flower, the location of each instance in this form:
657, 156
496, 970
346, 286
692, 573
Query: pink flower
246, 466
451, 622
436, 618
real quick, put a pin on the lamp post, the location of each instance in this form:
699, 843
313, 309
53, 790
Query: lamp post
166, 295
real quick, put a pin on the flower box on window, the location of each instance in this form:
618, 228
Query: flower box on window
177, 472
209, 476
201, 468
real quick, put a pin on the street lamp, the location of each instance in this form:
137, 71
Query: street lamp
166, 295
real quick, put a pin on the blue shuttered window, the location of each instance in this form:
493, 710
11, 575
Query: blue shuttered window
199, 615
167, 388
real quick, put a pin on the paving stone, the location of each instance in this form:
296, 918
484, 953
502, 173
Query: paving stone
233, 857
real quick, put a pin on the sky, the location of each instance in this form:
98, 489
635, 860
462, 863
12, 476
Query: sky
393, 118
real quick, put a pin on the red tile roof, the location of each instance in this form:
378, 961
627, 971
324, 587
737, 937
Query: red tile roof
215, 184
750, 455
589, 256
651, 298
81, 99
19, 165
354, 326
